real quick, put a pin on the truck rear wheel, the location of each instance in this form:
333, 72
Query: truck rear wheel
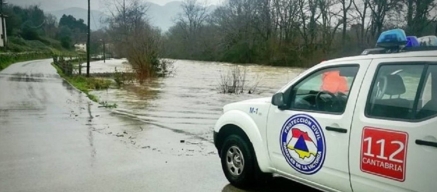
239, 163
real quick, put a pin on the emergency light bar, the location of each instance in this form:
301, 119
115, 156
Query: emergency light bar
392, 39
395, 41
428, 40
412, 41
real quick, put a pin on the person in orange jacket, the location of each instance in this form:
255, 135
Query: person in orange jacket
334, 83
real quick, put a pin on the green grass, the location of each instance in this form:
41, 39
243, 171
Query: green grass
19, 50
7, 59
85, 84
18, 44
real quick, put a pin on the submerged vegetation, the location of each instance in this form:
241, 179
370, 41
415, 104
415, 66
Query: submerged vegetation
122, 78
235, 81
105, 104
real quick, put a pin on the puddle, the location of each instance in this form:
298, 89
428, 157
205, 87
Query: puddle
25, 79
37, 77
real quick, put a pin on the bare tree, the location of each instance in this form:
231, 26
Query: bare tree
126, 17
294, 32
191, 21
346, 5
379, 10
50, 25
361, 9
417, 15
136, 40
236, 20
309, 14
193, 16
328, 26
286, 18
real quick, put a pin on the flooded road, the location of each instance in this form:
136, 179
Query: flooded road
53, 138
189, 101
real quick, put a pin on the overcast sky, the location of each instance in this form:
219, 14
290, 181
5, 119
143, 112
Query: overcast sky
163, 2
52, 5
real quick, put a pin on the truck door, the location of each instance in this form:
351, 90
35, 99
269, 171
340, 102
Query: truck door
394, 133
308, 141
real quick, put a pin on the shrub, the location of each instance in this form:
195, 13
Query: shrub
84, 83
29, 33
122, 78
235, 81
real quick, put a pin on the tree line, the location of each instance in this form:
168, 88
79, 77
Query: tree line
26, 26
297, 33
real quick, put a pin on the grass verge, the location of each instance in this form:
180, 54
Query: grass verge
85, 84
7, 59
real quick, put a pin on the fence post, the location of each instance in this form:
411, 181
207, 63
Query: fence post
80, 67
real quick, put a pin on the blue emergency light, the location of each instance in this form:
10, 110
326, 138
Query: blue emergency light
396, 41
412, 41
392, 39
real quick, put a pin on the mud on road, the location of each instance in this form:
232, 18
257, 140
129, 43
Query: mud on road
53, 138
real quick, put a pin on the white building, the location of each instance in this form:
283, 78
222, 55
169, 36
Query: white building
80, 47
3, 37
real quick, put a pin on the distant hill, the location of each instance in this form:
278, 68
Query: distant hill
163, 16
160, 16
54, 5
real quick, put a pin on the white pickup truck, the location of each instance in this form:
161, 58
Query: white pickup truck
363, 123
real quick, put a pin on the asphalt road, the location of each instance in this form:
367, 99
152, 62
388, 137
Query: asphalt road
53, 138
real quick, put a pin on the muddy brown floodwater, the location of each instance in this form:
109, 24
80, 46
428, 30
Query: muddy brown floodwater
189, 101
53, 138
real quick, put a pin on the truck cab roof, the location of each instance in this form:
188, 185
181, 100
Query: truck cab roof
406, 54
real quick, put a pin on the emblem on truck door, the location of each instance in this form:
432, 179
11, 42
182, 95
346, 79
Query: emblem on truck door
303, 144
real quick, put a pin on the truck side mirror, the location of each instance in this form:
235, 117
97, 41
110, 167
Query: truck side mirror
278, 100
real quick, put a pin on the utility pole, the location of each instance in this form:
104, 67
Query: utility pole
2, 18
88, 42
104, 51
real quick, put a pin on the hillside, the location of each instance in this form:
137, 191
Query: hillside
80, 13
161, 16
55, 5
164, 16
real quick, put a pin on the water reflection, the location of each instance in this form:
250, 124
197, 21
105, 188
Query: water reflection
68, 86
90, 135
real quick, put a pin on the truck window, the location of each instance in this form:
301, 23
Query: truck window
427, 102
395, 91
326, 90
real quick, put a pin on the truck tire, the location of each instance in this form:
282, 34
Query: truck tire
239, 163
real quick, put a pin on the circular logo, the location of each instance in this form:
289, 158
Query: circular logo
303, 144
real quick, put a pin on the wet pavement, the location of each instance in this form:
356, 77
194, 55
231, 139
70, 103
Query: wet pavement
53, 138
